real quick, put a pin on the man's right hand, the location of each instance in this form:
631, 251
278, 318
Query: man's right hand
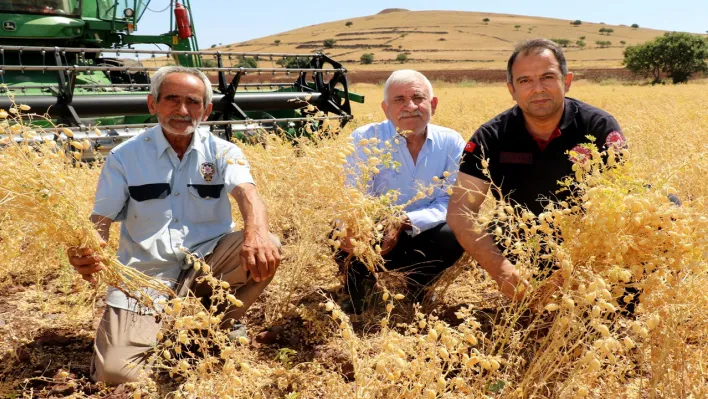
509, 282
346, 244
86, 262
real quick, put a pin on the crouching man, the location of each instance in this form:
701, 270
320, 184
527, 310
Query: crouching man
169, 187
423, 246
526, 151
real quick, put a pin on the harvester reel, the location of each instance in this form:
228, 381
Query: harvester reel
244, 105
124, 77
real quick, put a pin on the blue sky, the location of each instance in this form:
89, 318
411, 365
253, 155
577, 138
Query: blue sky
230, 21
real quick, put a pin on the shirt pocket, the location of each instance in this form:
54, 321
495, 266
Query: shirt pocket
204, 199
148, 212
387, 179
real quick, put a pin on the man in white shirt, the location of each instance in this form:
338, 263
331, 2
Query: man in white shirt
426, 155
169, 187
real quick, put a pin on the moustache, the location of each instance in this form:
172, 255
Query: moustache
181, 118
539, 98
406, 114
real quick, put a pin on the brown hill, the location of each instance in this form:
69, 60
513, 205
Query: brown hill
448, 40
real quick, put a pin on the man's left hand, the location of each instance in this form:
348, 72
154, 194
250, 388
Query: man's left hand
391, 239
259, 255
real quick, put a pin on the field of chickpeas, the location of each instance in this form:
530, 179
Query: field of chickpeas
568, 338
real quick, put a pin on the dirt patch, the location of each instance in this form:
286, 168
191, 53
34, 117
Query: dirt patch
488, 76
344, 40
346, 46
392, 32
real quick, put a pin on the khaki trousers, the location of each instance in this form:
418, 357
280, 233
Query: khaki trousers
123, 337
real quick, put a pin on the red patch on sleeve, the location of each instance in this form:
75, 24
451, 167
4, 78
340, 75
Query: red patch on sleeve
615, 139
580, 154
469, 147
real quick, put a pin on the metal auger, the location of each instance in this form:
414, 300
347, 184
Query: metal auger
92, 90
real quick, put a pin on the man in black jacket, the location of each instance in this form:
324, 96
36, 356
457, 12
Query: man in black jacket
525, 150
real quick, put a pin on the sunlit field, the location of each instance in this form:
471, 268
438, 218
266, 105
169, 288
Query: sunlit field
569, 338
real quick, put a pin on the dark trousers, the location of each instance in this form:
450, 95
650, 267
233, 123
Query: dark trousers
422, 258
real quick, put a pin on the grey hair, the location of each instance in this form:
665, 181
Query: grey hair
537, 46
162, 73
408, 76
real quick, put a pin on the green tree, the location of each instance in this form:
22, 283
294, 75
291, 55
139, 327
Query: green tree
213, 46
580, 43
486, 21
622, 42
678, 55
603, 30
562, 42
329, 43
582, 38
609, 31
402, 57
366, 58
576, 23
517, 27
635, 26
209, 63
603, 43
277, 42
293, 62
247, 62
349, 23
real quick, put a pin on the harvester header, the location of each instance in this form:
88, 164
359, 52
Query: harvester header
98, 80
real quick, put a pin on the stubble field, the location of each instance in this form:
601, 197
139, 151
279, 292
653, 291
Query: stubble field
468, 341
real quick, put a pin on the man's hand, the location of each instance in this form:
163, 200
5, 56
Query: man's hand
259, 255
391, 239
346, 244
509, 282
86, 262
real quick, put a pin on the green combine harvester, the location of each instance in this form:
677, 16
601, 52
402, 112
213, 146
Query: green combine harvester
76, 61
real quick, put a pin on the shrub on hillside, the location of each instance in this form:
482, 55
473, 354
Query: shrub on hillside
293, 62
562, 42
247, 62
366, 58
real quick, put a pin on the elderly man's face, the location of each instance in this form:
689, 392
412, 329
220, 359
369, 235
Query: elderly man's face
180, 107
538, 85
409, 106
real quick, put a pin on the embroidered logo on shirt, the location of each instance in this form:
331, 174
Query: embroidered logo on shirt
208, 170
614, 140
469, 147
580, 154
516, 157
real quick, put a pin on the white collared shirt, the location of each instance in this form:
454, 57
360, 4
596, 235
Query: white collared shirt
166, 204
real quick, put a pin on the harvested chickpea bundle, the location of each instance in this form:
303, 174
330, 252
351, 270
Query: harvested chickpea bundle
35, 183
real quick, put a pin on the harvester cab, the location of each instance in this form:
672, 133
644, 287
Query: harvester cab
82, 64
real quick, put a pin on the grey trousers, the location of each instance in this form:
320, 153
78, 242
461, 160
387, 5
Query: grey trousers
123, 337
